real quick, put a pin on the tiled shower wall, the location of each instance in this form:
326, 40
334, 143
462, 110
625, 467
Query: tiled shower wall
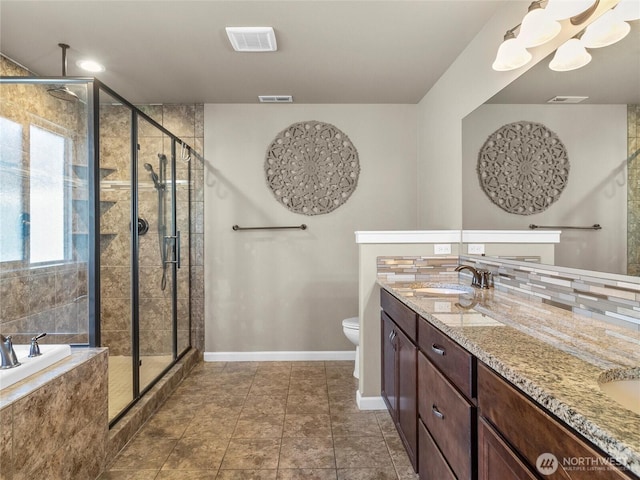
186, 122
52, 299
633, 190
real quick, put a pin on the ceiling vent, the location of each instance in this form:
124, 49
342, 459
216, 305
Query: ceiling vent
566, 99
252, 39
275, 98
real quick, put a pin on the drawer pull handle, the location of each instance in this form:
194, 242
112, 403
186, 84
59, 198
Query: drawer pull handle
438, 350
437, 412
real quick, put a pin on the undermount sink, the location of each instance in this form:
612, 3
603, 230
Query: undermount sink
626, 392
444, 289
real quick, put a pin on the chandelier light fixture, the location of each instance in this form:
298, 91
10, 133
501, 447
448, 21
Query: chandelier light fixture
542, 23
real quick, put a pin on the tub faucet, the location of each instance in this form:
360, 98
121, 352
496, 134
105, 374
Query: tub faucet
481, 278
8, 355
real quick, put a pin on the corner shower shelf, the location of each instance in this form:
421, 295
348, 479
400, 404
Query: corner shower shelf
105, 205
82, 171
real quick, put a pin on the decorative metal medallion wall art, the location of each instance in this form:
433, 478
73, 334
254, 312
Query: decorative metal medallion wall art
312, 167
523, 167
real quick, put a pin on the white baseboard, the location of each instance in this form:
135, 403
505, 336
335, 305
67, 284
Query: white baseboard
370, 403
278, 356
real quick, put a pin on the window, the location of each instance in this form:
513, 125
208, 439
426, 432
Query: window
34, 195
11, 193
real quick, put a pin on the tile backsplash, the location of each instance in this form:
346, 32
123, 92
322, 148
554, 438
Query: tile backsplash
612, 299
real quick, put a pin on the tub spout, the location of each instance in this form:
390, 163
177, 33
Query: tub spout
8, 356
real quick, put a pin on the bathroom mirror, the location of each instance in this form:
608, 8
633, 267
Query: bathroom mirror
603, 185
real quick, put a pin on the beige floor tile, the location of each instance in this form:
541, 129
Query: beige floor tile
407, 473
219, 424
307, 403
313, 452
265, 404
265, 421
259, 426
307, 474
362, 424
269, 389
307, 425
246, 475
367, 474
187, 475
168, 425
361, 452
129, 475
343, 404
252, 454
141, 454
197, 454
397, 451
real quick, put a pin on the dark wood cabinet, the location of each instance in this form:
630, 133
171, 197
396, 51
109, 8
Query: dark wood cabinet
399, 372
458, 365
449, 417
496, 460
460, 420
432, 464
389, 366
532, 431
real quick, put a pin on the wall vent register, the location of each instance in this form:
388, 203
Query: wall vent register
252, 39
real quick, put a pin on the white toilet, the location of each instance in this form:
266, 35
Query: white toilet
351, 329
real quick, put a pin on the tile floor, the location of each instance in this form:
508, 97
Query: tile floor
265, 421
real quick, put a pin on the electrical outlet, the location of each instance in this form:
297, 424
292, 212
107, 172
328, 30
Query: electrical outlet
475, 249
442, 248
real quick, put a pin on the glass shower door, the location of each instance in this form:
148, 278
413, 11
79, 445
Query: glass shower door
157, 244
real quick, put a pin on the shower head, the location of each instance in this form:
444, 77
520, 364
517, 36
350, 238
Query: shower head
63, 92
154, 176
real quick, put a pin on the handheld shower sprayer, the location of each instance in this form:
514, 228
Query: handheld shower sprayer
154, 177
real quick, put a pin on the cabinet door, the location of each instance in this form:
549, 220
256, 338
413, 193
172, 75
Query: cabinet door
449, 417
433, 465
407, 373
496, 459
389, 365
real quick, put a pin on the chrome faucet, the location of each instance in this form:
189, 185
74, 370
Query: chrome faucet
8, 355
481, 278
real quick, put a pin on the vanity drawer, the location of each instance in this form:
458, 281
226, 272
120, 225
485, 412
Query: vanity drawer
454, 361
532, 432
449, 417
404, 317
433, 466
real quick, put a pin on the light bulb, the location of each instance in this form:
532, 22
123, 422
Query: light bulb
605, 31
570, 56
90, 66
537, 28
511, 55
561, 9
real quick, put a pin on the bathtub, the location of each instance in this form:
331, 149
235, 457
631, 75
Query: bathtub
50, 355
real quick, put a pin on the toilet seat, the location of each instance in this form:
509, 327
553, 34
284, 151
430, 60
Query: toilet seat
352, 323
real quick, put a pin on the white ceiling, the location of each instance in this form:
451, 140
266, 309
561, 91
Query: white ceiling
176, 51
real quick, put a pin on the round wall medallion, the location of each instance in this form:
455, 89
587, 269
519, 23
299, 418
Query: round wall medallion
312, 167
523, 167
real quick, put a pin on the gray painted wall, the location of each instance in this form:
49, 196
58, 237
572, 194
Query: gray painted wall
595, 137
290, 290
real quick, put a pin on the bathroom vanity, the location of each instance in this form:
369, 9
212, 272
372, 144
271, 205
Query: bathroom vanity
486, 385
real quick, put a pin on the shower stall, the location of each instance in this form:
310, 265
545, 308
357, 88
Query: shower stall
94, 228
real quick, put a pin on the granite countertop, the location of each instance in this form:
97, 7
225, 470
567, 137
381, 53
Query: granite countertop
554, 356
